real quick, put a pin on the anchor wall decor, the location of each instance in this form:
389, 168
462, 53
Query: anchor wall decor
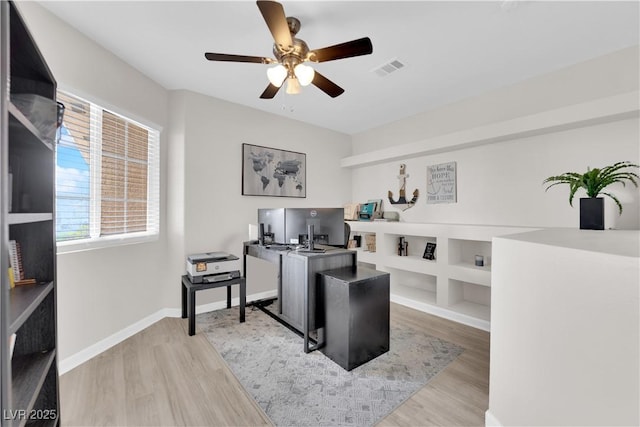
402, 202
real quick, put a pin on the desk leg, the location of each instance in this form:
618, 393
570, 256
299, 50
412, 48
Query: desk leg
191, 310
305, 310
243, 298
229, 296
184, 301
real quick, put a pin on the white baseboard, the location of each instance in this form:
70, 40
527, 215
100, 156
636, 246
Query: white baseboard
490, 420
442, 312
95, 349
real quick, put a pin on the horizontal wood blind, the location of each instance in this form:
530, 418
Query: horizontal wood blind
108, 176
124, 176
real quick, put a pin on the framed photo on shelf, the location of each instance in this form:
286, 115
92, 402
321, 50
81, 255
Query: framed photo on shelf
430, 251
273, 172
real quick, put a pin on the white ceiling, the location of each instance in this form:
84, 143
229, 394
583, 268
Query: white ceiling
452, 49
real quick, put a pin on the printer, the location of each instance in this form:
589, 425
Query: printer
211, 267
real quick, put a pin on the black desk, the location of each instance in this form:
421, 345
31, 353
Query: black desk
297, 287
189, 297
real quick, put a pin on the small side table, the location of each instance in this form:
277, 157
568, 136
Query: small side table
189, 297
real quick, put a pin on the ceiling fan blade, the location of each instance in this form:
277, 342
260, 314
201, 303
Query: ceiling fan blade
326, 85
273, 14
270, 92
357, 47
237, 58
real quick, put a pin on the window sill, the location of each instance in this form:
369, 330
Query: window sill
104, 242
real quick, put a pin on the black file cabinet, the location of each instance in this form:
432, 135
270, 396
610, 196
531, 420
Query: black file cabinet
355, 308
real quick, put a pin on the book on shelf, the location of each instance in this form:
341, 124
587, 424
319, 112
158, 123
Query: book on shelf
15, 260
12, 282
16, 276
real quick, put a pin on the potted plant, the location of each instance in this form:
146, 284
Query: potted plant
594, 181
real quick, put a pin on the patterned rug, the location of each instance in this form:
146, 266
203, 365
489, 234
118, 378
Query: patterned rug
308, 389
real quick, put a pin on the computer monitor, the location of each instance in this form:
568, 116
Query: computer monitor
271, 225
290, 225
328, 225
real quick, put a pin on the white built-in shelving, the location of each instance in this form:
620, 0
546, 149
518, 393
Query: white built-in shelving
451, 286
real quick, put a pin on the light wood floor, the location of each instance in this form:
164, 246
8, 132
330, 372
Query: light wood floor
161, 376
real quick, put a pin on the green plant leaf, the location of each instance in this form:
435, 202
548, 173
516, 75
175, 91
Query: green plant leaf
615, 199
595, 180
572, 191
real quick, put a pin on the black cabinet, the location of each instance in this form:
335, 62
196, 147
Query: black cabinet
357, 315
28, 337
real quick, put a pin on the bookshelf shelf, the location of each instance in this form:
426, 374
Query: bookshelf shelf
23, 301
29, 374
24, 130
25, 218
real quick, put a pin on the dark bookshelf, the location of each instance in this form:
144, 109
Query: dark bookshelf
29, 389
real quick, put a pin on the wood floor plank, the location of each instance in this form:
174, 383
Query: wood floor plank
161, 376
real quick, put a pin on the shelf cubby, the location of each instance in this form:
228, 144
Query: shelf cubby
469, 299
37, 247
23, 300
416, 286
22, 129
29, 374
462, 252
415, 244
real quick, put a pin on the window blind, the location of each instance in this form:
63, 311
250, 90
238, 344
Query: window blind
107, 174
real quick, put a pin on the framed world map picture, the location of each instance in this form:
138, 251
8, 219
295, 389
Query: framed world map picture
273, 172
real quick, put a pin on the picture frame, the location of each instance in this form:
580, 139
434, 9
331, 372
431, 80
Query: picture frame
430, 251
442, 183
273, 172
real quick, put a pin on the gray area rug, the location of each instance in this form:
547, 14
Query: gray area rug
308, 389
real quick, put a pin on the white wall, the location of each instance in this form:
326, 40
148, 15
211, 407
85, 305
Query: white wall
565, 329
501, 183
103, 291
607, 75
216, 215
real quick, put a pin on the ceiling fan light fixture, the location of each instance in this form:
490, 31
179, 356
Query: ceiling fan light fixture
293, 86
277, 75
304, 74
290, 52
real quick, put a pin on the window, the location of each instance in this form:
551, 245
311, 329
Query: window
107, 177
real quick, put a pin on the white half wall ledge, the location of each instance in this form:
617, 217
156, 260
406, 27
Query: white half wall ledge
603, 110
93, 350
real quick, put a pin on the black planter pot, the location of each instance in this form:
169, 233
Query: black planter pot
592, 213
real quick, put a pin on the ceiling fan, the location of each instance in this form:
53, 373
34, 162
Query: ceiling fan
291, 53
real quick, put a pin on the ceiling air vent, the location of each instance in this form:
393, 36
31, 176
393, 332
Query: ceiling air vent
388, 68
